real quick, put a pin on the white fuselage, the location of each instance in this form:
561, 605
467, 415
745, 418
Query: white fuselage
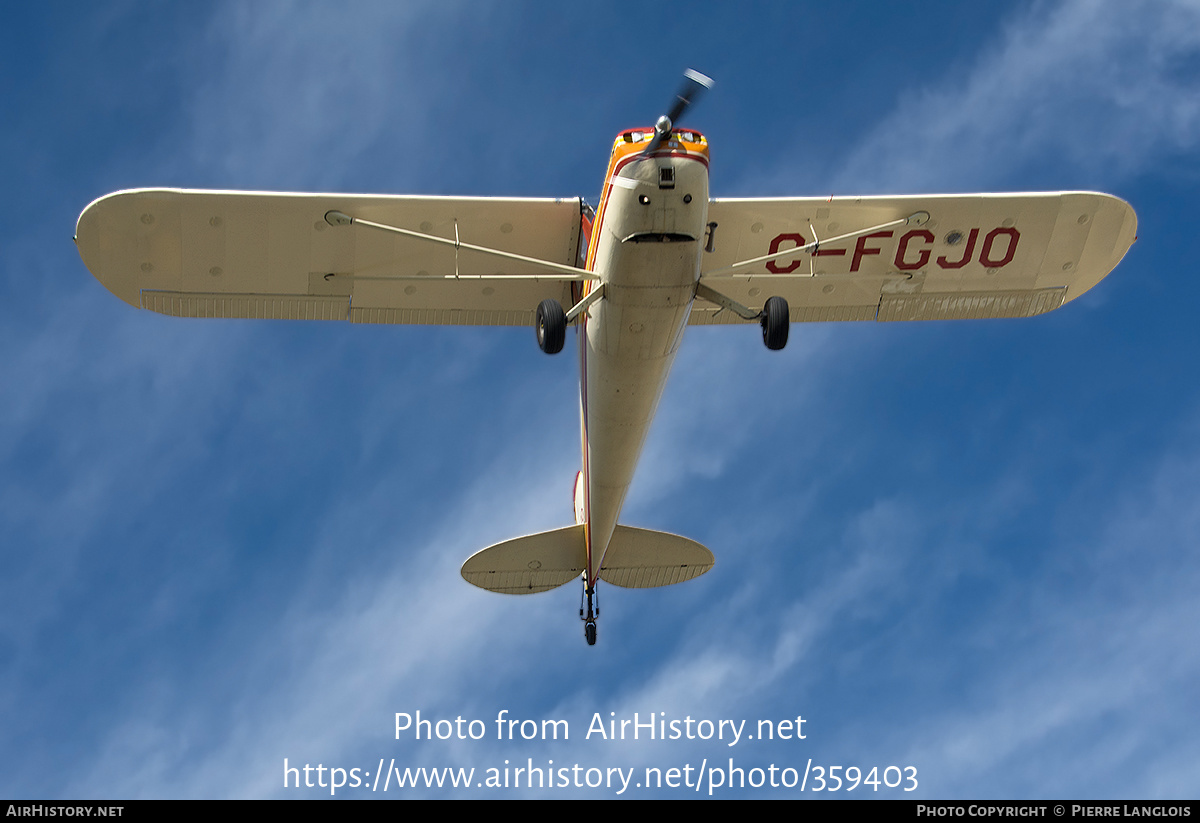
648, 242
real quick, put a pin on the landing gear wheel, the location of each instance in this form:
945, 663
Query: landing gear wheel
774, 321
593, 611
551, 326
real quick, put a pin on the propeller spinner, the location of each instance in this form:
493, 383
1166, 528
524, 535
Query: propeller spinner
694, 84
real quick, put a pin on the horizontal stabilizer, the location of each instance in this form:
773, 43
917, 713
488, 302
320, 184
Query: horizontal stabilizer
644, 559
531, 564
636, 559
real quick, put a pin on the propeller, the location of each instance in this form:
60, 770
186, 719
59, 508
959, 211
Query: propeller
694, 85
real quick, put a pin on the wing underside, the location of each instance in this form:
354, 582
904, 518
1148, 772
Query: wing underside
972, 256
261, 255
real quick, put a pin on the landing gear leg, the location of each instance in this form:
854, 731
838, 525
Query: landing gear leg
589, 622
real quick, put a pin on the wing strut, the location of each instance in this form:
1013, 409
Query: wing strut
915, 219
337, 218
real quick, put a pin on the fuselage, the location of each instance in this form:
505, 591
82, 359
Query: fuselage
645, 245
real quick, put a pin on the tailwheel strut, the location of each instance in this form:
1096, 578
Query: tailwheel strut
593, 612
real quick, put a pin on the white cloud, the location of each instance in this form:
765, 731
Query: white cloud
1097, 87
299, 93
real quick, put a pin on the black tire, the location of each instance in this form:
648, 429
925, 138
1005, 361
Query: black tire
589, 631
551, 326
775, 323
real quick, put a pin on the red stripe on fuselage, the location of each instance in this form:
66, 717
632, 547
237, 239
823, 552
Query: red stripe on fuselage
583, 425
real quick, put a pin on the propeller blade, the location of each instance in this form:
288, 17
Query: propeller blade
694, 85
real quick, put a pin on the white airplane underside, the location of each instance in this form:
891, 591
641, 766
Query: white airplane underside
659, 255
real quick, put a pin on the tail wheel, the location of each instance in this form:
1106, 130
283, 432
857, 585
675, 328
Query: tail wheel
774, 321
552, 326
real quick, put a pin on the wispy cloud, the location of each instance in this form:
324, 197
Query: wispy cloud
1095, 88
1099, 651
299, 94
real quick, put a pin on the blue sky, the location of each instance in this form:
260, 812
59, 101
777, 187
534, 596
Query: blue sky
966, 547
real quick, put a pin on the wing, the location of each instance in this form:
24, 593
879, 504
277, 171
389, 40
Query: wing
981, 255
251, 254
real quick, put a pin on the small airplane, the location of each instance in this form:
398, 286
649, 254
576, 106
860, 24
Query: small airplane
656, 256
